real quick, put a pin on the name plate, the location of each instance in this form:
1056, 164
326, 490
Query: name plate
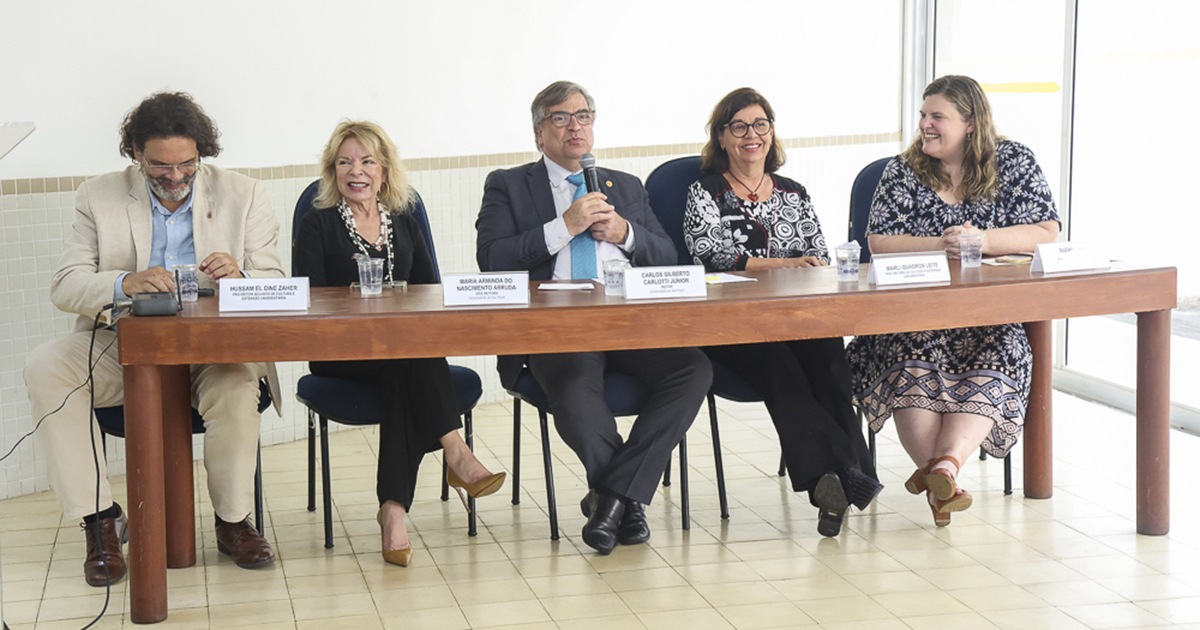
665, 282
1057, 257
909, 268
483, 289
262, 294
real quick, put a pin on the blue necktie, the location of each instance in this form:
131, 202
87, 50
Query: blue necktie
583, 246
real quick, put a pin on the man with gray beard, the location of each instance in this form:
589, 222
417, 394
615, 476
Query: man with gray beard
130, 228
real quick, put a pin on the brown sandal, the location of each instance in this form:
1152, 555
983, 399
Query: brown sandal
940, 483
916, 481
942, 509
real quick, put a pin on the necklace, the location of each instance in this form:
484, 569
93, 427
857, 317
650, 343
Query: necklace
384, 241
753, 196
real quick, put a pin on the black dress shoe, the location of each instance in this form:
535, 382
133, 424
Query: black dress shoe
588, 504
600, 531
860, 489
633, 529
831, 500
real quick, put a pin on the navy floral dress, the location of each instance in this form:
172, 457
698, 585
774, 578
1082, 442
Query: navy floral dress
983, 371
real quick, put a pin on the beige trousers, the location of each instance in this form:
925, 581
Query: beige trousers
225, 394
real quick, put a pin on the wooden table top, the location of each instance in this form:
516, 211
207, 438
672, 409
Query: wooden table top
783, 304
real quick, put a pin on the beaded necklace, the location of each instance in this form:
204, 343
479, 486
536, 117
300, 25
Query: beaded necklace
384, 242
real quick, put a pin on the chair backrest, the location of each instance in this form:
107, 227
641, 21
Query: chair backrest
668, 185
305, 204
861, 195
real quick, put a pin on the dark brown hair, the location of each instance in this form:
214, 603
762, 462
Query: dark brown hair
713, 158
169, 115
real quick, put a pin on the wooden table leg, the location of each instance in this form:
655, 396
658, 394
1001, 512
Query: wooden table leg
1038, 432
147, 557
1154, 423
177, 462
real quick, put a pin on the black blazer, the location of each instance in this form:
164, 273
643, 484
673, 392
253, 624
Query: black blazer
325, 254
517, 202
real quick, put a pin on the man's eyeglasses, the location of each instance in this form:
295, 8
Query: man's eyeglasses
158, 170
585, 117
739, 129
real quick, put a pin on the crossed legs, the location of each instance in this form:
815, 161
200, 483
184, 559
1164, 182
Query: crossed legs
931, 440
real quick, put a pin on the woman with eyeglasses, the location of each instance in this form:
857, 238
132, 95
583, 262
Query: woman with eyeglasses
952, 390
741, 216
364, 203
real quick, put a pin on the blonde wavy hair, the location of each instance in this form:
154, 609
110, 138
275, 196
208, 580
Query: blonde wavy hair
395, 193
979, 159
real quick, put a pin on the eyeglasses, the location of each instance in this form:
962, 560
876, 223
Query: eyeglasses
158, 170
585, 117
739, 129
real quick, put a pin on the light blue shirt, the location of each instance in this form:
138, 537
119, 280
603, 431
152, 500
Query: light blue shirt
171, 240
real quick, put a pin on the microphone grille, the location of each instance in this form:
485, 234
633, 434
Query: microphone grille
587, 160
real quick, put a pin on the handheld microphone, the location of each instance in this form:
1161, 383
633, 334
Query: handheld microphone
590, 179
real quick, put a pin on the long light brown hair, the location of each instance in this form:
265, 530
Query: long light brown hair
395, 193
979, 159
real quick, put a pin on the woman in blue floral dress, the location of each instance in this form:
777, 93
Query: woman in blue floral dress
951, 390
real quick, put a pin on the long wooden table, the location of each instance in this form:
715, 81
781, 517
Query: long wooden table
782, 305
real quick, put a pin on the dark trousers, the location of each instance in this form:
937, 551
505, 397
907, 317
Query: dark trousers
806, 387
678, 379
417, 407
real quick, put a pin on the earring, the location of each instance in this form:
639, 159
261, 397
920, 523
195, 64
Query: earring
969, 134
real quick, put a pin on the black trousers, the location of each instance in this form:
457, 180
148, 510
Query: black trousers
417, 408
806, 387
678, 379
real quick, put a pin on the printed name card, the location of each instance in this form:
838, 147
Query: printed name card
1057, 257
482, 289
665, 282
239, 295
909, 268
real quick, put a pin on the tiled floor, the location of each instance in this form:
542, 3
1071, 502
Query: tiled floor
1071, 562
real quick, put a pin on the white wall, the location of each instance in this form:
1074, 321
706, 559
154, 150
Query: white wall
445, 78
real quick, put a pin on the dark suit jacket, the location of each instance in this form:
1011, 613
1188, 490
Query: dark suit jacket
517, 202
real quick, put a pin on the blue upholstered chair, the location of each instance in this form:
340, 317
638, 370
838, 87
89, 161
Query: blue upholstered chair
112, 422
351, 402
668, 185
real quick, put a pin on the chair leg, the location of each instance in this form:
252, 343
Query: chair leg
1008, 474
258, 491
471, 531
870, 440
550, 501
445, 482
720, 464
326, 494
666, 482
982, 454
782, 466
312, 461
516, 464
683, 481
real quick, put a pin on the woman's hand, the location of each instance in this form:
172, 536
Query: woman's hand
949, 240
783, 263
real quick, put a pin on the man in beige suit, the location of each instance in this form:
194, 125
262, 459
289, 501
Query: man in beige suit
130, 228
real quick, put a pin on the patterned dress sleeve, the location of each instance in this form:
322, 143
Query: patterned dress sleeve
895, 201
802, 217
1024, 192
705, 236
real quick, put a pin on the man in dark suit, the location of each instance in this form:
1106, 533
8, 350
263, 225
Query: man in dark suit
540, 218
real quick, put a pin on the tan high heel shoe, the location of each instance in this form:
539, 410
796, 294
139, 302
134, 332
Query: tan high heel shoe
482, 488
399, 557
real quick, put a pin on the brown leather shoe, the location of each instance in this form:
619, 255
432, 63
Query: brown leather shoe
105, 564
244, 544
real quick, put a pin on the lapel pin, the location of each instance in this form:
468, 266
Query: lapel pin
608, 182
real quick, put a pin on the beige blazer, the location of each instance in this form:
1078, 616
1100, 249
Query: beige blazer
113, 229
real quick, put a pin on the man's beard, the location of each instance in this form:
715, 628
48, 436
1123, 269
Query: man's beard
179, 194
